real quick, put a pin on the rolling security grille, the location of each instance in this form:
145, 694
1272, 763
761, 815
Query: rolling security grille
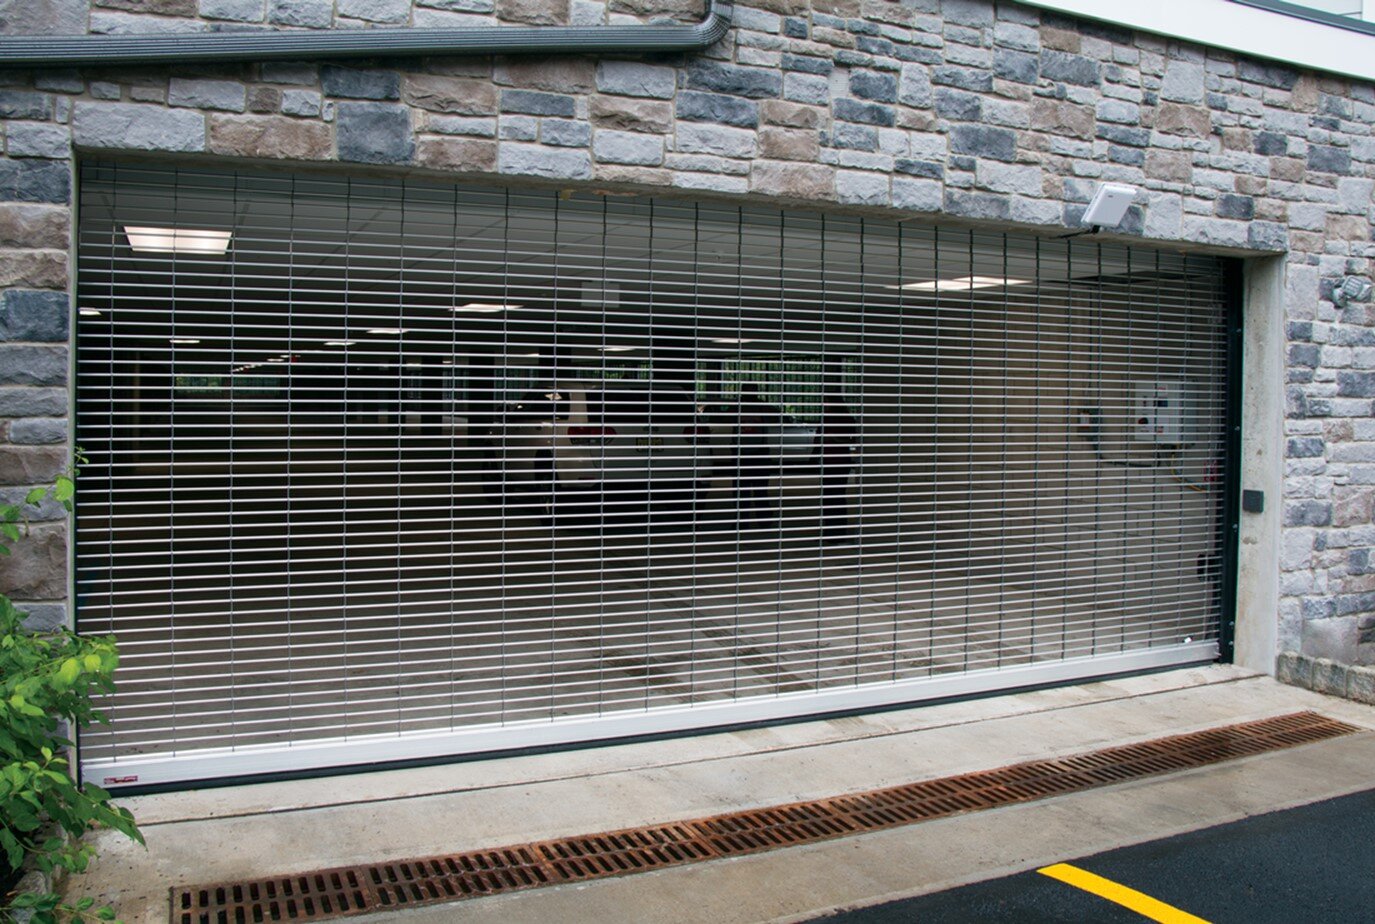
385, 469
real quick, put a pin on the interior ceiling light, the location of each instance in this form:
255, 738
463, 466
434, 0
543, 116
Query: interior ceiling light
184, 341
484, 307
617, 349
340, 343
90, 312
733, 340
176, 240
962, 284
386, 331
276, 359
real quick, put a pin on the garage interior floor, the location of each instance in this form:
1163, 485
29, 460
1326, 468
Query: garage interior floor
249, 831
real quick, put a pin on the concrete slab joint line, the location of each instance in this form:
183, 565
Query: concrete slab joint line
348, 891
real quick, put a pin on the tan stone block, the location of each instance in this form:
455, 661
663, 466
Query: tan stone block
459, 95
1249, 185
633, 115
1062, 118
535, 12
457, 154
1060, 39
1348, 228
1338, 430
1172, 166
264, 99
1352, 505
556, 75
1304, 95
1179, 119
1289, 169
34, 269
1306, 241
1272, 210
31, 464
919, 120
789, 144
36, 568
270, 136
1237, 139
35, 225
793, 181
793, 115
640, 176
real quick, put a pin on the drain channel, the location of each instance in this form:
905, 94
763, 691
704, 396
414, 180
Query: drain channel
344, 891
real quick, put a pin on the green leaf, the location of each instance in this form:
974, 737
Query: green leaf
10, 530
64, 488
68, 673
36, 496
85, 903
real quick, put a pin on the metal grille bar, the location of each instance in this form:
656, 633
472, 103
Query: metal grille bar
377, 459
354, 890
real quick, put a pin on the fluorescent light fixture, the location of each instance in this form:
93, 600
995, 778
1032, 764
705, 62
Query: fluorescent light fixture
183, 341
962, 284
535, 355
387, 331
1109, 205
617, 349
484, 307
340, 343
90, 312
733, 340
176, 240
554, 396
276, 359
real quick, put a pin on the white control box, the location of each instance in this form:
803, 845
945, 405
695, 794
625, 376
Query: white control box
1162, 412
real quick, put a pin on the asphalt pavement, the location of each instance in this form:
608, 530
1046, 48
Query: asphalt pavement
1314, 863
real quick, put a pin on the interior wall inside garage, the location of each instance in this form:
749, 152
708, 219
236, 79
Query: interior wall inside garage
280, 459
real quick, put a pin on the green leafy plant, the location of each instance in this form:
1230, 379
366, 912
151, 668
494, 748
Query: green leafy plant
48, 681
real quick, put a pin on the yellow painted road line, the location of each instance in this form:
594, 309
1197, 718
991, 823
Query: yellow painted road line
1139, 902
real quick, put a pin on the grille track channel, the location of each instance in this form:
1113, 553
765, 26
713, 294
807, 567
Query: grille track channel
333, 893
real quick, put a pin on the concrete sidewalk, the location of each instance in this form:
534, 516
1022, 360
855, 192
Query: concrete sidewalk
253, 831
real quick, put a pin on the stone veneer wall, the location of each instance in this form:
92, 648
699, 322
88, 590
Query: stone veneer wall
988, 112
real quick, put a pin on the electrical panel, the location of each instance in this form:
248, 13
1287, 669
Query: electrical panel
1163, 412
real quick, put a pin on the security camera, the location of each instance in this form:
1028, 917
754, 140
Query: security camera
1353, 290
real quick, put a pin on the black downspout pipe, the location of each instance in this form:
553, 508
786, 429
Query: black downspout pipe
303, 45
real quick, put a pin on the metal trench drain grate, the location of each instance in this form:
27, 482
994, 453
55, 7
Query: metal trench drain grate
333, 893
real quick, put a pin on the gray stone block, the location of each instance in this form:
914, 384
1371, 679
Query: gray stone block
567, 134
44, 617
385, 11
133, 126
305, 103
1356, 384
855, 187
1360, 684
875, 86
35, 316
21, 401
807, 88
715, 139
43, 17
33, 365
37, 139
806, 64
977, 205
634, 78
614, 147
355, 83
533, 102
35, 180
374, 133
1294, 669
982, 141
750, 82
233, 10
1307, 513
1267, 235
1067, 68
1329, 677
1017, 66
317, 14
852, 110
914, 87
38, 430
537, 160
975, 80
1010, 178
958, 106
1324, 158
693, 106
853, 137
288, 72
225, 95
25, 104
976, 13
1183, 82
917, 195
474, 126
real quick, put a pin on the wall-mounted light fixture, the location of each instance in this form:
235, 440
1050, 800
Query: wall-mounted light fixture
177, 240
1107, 208
1352, 290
